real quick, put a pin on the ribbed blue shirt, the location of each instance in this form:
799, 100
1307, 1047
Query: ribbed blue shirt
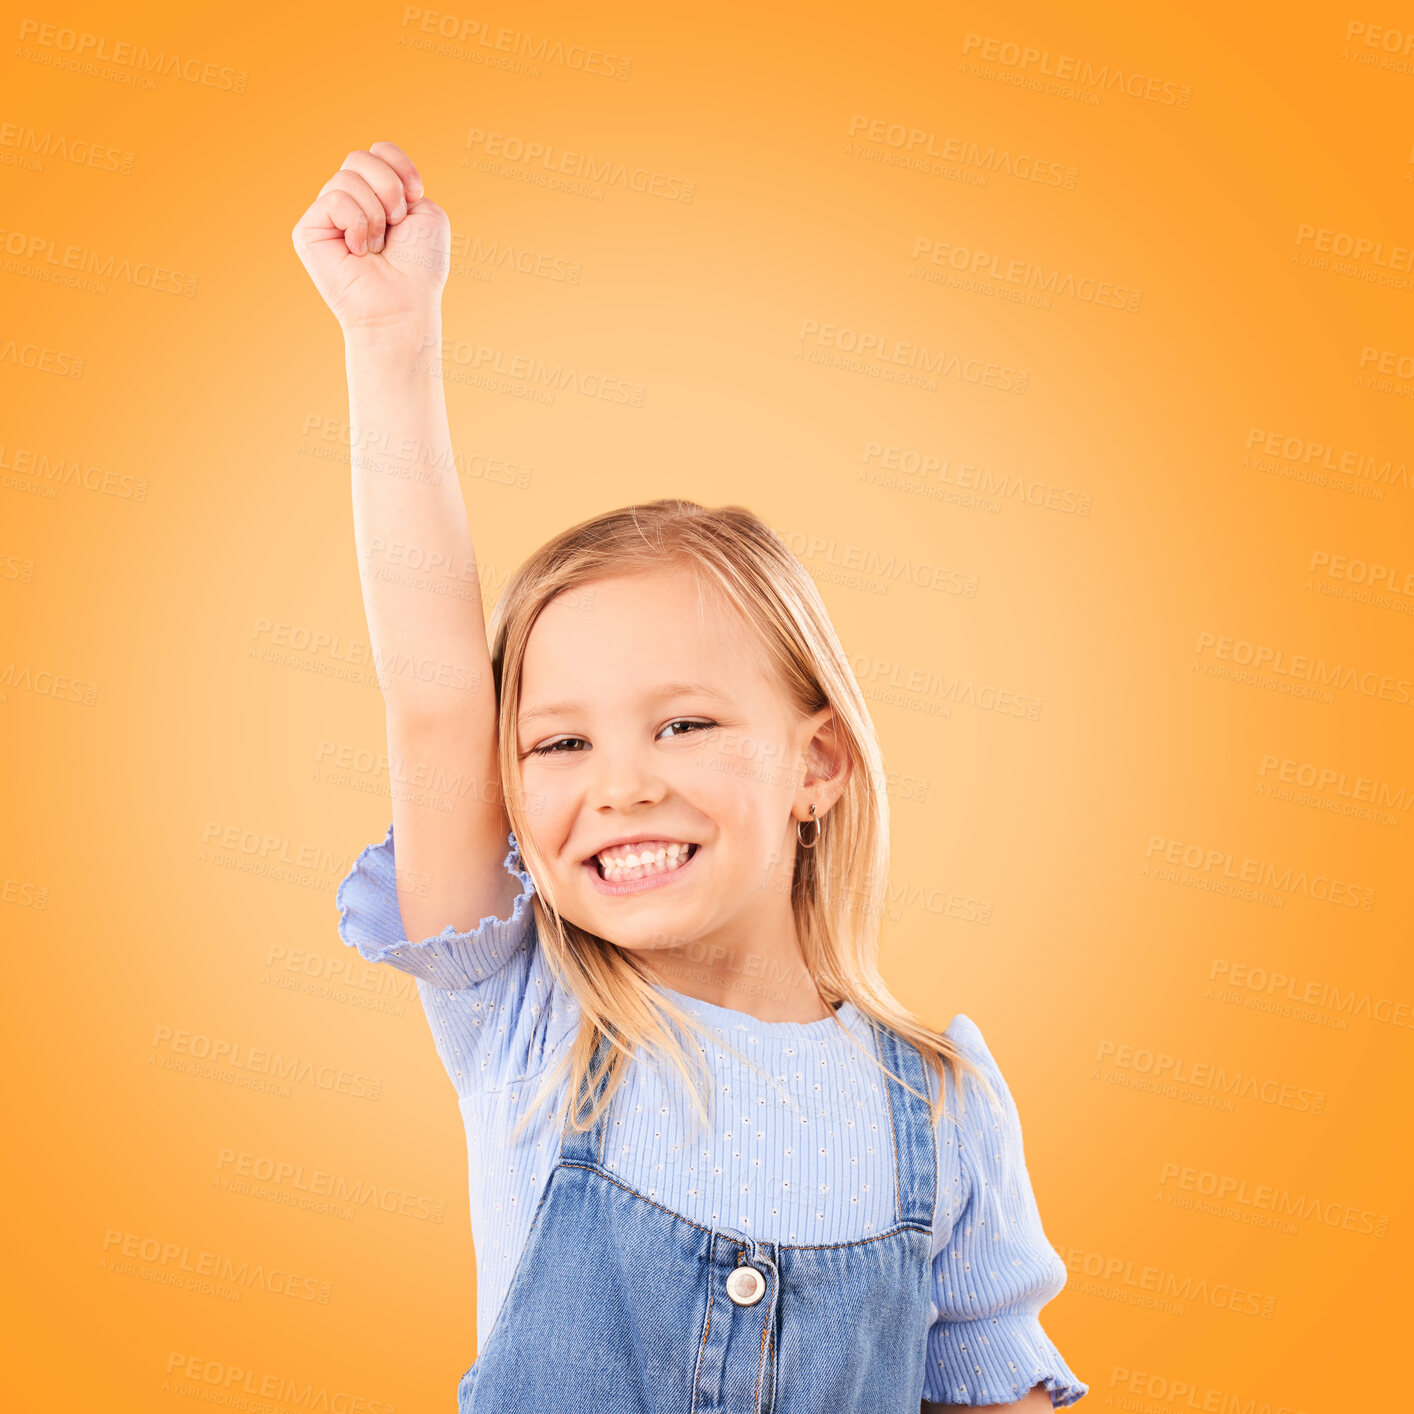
801, 1153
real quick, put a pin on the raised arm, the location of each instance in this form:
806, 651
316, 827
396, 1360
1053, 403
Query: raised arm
377, 250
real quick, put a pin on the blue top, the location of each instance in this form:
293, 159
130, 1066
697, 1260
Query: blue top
797, 1149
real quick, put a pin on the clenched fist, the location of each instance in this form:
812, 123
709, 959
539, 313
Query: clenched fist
376, 248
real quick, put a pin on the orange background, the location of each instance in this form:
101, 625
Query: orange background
148, 702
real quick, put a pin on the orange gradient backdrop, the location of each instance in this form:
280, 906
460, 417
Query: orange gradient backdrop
1071, 351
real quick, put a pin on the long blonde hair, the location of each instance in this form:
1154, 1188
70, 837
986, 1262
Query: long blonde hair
838, 887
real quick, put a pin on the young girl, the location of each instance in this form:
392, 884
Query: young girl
775, 1189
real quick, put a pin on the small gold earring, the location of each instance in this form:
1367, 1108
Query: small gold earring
800, 834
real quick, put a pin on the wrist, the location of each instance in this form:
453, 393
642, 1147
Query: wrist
402, 336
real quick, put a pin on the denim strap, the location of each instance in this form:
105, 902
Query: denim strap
915, 1147
586, 1146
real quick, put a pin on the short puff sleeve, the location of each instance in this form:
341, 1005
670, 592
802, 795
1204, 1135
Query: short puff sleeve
371, 921
996, 1270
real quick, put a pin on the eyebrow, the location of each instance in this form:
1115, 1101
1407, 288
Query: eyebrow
657, 694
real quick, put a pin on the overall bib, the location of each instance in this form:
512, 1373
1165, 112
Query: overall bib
622, 1306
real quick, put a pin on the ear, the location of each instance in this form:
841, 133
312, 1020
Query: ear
828, 764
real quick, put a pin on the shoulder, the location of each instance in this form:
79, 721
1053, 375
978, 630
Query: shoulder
967, 1036
964, 1038
977, 1093
979, 1100
969, 1042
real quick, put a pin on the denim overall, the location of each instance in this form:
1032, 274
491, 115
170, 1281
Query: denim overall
620, 1306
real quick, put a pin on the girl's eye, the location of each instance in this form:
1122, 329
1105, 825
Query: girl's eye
688, 722
553, 749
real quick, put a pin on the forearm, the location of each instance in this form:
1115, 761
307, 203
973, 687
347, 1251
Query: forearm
416, 560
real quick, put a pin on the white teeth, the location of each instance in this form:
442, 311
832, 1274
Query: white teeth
656, 858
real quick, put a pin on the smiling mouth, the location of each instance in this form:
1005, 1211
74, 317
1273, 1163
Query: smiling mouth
632, 864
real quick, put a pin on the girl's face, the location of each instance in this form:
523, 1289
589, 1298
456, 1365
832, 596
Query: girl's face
646, 717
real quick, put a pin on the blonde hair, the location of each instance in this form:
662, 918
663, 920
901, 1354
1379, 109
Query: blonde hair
838, 887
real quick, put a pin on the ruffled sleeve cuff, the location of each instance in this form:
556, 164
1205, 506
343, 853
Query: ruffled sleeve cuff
997, 1360
371, 921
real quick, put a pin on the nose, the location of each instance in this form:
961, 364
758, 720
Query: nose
624, 777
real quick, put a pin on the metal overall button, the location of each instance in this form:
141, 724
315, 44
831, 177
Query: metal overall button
746, 1286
